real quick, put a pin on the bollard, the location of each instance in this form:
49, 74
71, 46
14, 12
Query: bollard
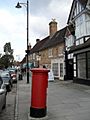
38, 107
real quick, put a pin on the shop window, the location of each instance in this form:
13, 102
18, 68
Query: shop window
81, 65
55, 69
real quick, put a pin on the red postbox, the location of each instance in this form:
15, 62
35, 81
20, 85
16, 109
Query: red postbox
39, 92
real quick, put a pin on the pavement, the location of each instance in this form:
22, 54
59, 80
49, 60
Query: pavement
65, 101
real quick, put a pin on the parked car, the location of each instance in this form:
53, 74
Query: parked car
3, 93
5, 75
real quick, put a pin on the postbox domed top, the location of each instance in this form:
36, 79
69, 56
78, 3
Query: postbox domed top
40, 70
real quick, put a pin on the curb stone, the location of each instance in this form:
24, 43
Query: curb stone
16, 103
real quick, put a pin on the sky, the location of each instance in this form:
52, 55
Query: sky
13, 24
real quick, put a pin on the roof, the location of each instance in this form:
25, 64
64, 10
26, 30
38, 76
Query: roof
23, 60
81, 46
38, 45
58, 38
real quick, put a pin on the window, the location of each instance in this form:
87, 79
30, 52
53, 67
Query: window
33, 55
50, 52
60, 51
74, 73
74, 59
74, 62
79, 27
81, 65
81, 40
61, 69
78, 8
88, 27
55, 69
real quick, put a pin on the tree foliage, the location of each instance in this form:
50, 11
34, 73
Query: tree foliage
7, 48
7, 59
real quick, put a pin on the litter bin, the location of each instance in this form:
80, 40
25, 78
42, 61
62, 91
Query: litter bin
39, 92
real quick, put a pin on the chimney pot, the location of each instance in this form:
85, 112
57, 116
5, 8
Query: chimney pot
37, 40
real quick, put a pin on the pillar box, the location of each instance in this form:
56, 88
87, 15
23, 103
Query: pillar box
38, 106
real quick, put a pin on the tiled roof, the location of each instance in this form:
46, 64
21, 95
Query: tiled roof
81, 46
23, 60
58, 38
38, 45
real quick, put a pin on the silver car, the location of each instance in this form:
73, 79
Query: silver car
3, 93
7, 80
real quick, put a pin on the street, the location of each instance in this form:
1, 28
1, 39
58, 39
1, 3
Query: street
9, 111
65, 101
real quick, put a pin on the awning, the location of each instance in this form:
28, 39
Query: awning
30, 65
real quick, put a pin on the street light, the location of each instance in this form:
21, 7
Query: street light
27, 51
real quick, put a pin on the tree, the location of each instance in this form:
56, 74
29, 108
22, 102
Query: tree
6, 61
7, 48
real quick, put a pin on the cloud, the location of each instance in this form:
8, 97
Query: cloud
13, 22
11, 29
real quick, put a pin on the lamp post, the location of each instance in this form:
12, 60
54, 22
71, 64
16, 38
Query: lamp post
27, 51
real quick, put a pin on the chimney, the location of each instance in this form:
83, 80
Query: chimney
52, 27
37, 40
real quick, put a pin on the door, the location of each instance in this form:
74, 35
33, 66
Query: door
70, 69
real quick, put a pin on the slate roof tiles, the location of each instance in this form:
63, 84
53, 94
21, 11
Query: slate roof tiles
58, 38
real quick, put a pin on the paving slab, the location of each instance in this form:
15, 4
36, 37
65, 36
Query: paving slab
65, 101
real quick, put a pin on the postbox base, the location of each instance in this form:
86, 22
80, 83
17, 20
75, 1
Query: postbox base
37, 112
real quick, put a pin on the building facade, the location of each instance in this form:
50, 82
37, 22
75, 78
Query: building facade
50, 51
79, 39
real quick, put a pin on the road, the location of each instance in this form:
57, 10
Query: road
9, 111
